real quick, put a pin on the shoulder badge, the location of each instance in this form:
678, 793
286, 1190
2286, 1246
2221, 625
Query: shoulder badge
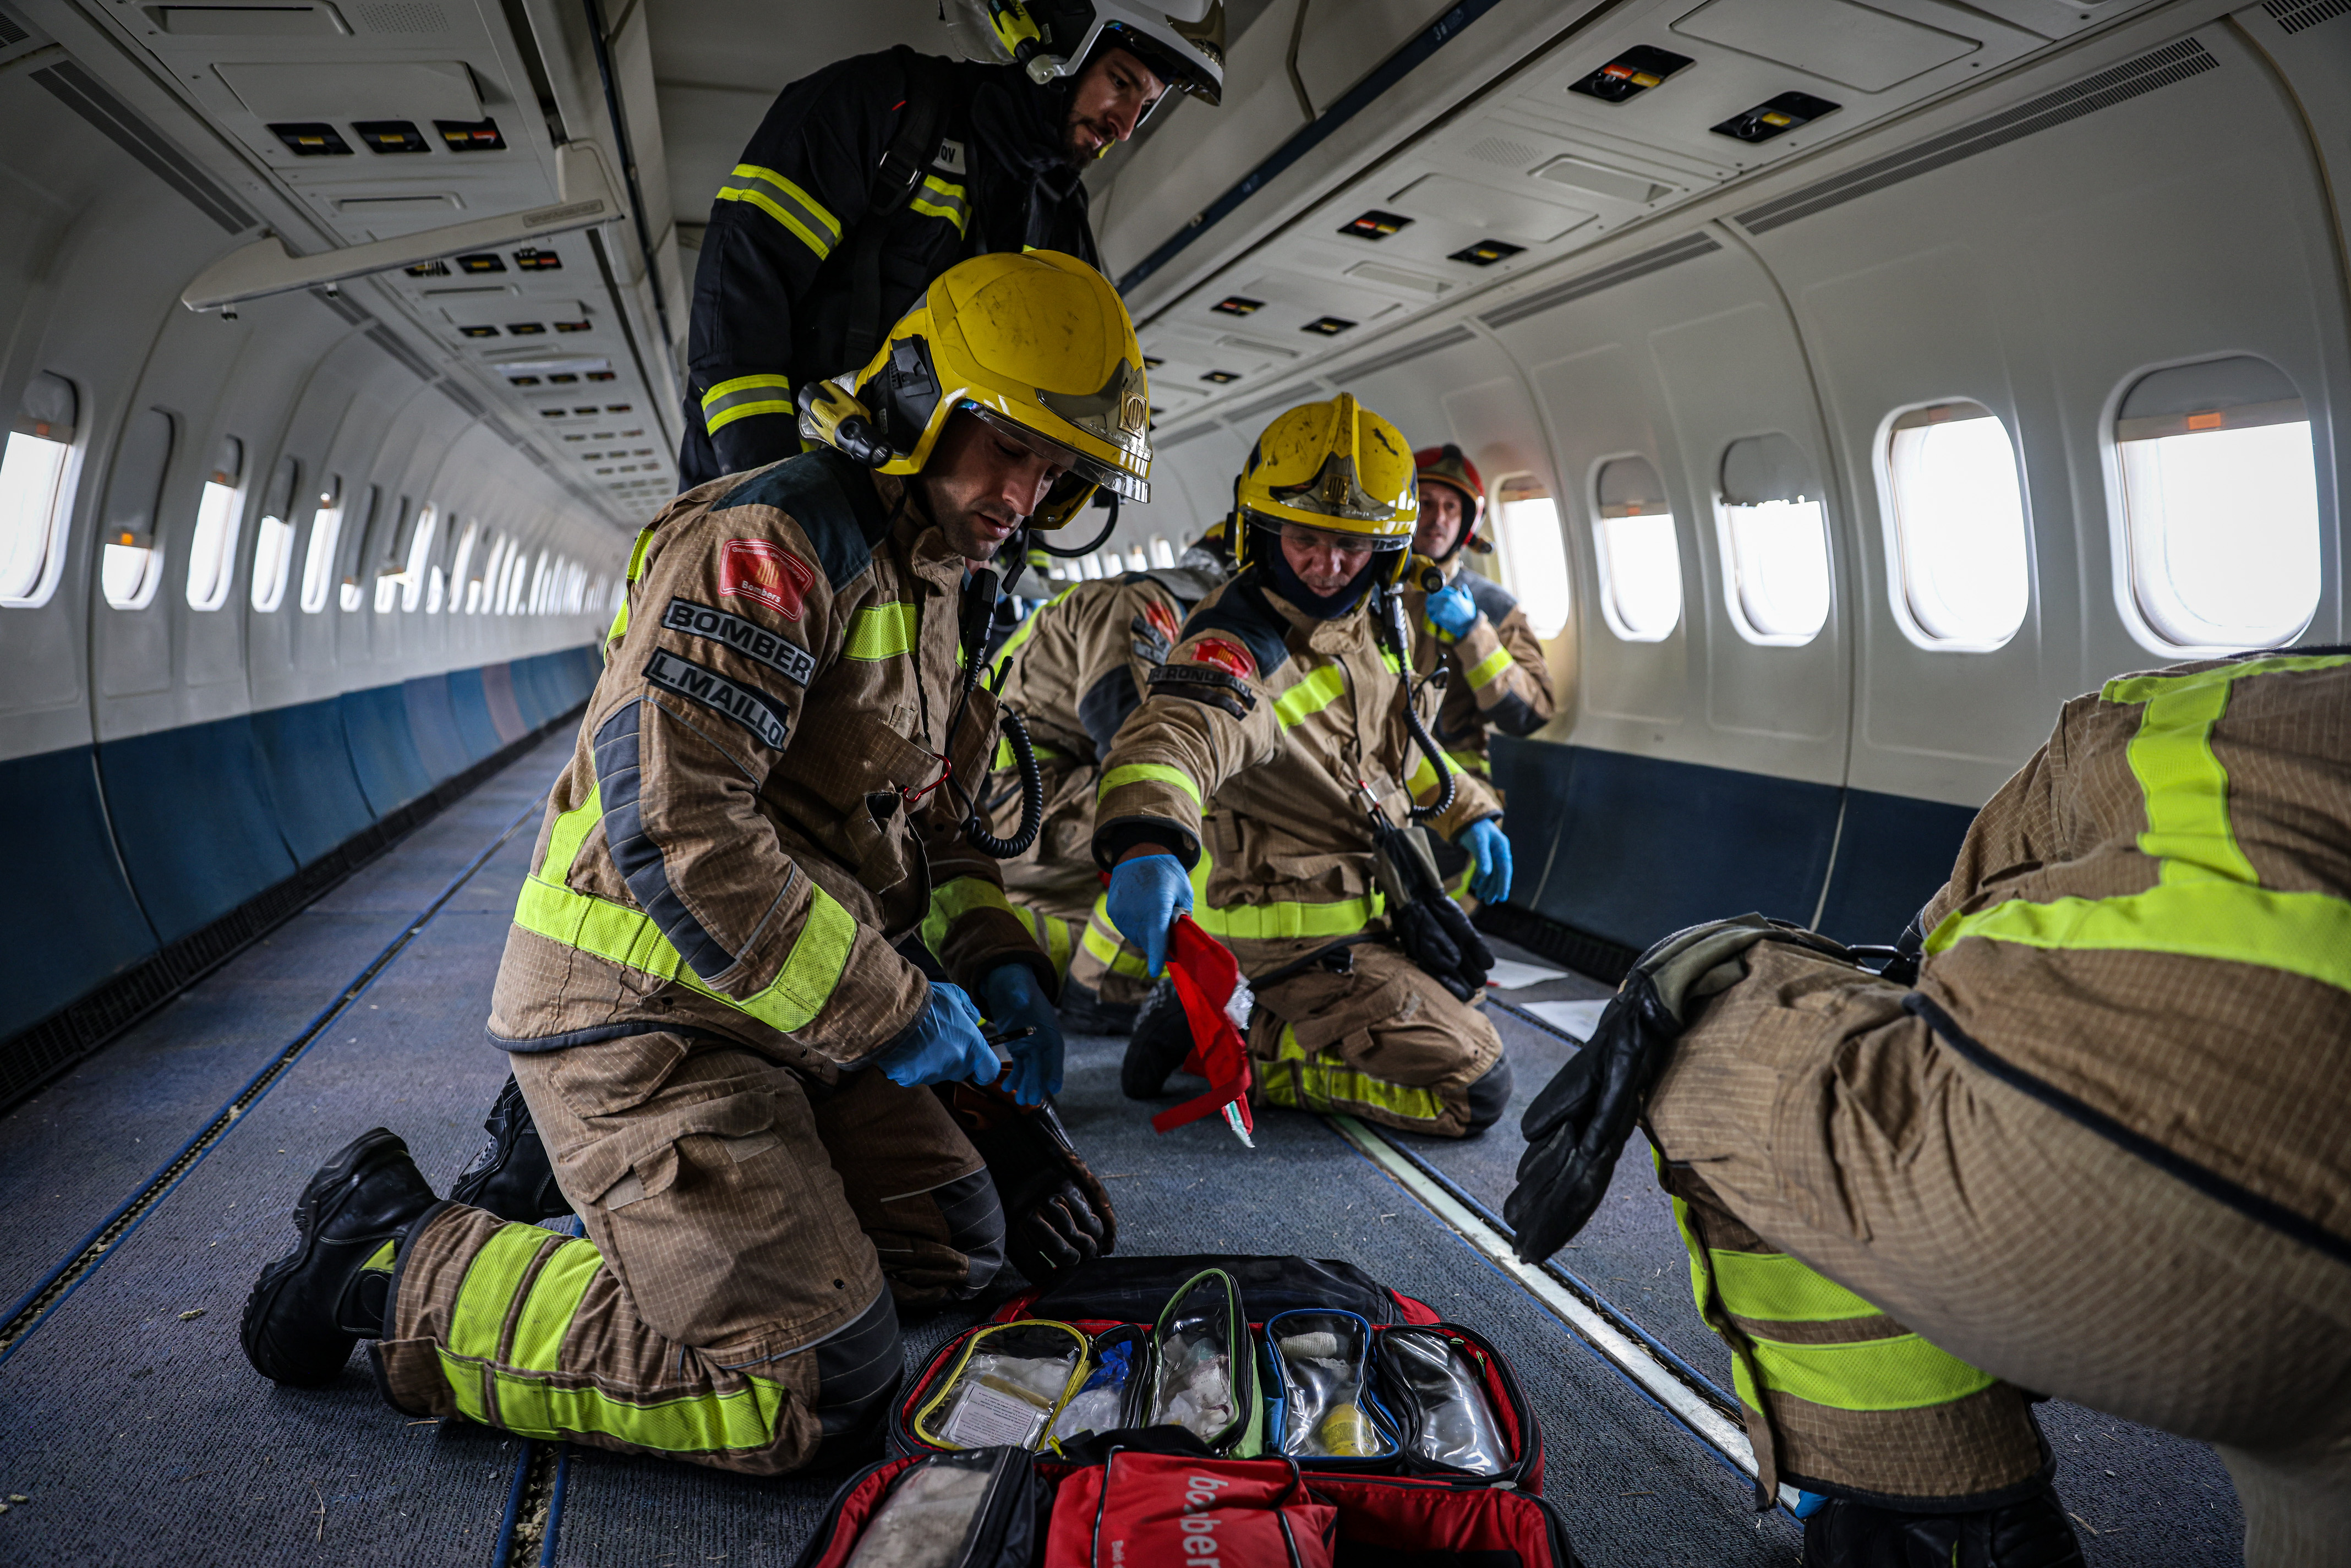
1229, 658
766, 573
1163, 621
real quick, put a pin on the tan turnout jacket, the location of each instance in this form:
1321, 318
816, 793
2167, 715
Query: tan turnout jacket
2149, 927
729, 850
1500, 680
1272, 717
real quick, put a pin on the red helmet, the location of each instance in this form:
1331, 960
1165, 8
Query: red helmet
1446, 465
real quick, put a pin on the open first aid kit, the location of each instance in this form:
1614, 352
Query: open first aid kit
1307, 1361
1002, 1507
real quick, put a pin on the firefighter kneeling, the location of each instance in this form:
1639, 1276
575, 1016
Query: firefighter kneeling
1280, 768
710, 1024
2094, 1146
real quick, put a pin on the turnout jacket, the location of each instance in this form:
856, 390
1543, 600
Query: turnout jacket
730, 849
2149, 928
774, 290
1073, 670
1271, 716
1500, 679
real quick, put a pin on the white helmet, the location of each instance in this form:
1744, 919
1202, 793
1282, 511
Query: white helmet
1183, 41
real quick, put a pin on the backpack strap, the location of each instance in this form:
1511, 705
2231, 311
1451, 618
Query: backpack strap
921, 129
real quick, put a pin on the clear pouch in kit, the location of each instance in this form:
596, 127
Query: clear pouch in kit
1100, 1404
1202, 1369
1439, 1404
1011, 1381
972, 1510
1319, 1378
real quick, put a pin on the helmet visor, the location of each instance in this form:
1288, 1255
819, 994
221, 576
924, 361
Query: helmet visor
1091, 470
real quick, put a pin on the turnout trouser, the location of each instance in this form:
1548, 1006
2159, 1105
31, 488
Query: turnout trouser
1382, 1041
1806, 1116
732, 1302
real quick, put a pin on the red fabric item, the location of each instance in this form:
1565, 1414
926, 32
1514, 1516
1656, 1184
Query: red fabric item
1166, 1510
766, 573
1229, 658
1205, 975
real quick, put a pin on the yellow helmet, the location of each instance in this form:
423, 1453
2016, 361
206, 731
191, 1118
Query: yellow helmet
1334, 466
1037, 344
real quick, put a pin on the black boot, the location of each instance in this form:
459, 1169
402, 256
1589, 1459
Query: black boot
1083, 1011
2031, 1533
511, 1178
312, 1305
1161, 1040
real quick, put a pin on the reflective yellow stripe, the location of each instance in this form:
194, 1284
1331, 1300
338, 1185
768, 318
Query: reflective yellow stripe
553, 1301
1322, 1083
1026, 629
882, 631
2207, 902
1309, 696
744, 396
571, 831
938, 199
1004, 757
1469, 762
1424, 780
477, 1320
953, 899
1102, 943
1388, 657
1900, 1373
1782, 1289
382, 1257
1283, 919
741, 1420
787, 203
1483, 671
1051, 934
620, 627
1144, 772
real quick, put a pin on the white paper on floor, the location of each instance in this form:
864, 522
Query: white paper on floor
1577, 1018
1510, 975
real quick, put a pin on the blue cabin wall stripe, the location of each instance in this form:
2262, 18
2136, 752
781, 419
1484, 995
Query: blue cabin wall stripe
1630, 849
145, 841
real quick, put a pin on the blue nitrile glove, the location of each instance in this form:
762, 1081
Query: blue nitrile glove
942, 1046
1147, 894
1452, 611
1491, 849
1014, 1002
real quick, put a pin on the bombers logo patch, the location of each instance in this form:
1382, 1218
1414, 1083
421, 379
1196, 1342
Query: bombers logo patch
765, 574
1229, 658
754, 711
781, 655
1163, 621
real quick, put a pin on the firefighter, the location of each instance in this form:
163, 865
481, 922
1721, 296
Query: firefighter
709, 1024
2087, 1140
1294, 713
870, 178
1074, 669
1496, 674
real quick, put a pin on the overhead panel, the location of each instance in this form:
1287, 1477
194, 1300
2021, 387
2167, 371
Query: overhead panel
1857, 47
1484, 210
246, 21
369, 89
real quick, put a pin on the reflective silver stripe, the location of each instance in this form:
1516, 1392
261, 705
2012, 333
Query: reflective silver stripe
787, 203
744, 395
939, 199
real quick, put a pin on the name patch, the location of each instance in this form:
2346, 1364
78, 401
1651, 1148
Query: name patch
781, 655
751, 709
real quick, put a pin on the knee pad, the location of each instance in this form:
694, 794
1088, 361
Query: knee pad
975, 1220
1489, 1096
858, 1371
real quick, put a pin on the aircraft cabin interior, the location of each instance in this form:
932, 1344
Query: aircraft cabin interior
1851, 385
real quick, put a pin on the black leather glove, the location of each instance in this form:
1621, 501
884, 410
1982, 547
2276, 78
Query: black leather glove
2030, 1534
1057, 1214
1577, 1126
1439, 937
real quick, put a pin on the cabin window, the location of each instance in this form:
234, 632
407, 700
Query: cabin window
460, 566
1162, 553
319, 561
36, 492
352, 593
1957, 513
1640, 559
1534, 551
1774, 538
538, 605
212, 550
273, 537
2220, 508
414, 571
1091, 567
131, 566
